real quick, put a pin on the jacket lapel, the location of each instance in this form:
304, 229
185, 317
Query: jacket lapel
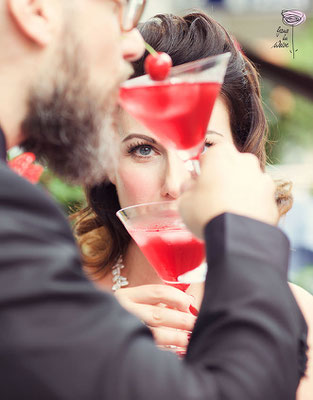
3, 151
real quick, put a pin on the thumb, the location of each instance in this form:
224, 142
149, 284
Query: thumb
187, 185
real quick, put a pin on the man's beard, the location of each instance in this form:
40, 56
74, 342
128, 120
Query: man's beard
69, 125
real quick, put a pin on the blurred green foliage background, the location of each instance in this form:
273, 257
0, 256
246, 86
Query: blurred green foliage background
290, 115
71, 198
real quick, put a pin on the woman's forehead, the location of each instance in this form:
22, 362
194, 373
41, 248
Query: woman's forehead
131, 126
219, 123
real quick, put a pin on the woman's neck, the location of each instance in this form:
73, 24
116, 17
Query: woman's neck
137, 268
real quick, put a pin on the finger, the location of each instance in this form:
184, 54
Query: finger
164, 317
179, 351
222, 150
270, 182
170, 337
252, 161
156, 294
188, 185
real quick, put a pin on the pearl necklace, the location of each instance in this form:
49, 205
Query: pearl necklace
118, 280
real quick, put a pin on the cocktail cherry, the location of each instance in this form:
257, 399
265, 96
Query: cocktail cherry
157, 64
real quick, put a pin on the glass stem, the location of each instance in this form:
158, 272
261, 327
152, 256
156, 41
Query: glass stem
193, 167
196, 170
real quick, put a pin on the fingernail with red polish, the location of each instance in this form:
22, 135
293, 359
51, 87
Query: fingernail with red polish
181, 354
193, 310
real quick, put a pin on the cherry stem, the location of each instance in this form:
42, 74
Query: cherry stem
150, 49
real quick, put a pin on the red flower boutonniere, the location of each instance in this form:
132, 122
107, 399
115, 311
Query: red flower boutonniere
23, 166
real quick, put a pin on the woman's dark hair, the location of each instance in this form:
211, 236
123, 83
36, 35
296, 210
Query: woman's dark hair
100, 234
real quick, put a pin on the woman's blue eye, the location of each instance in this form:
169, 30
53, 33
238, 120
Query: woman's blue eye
144, 150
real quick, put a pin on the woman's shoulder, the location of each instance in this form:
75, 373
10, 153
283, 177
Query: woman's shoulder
305, 302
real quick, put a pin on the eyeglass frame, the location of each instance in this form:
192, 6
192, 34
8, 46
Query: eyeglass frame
125, 6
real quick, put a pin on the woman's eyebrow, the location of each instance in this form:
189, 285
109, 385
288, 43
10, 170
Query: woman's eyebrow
138, 136
151, 140
214, 132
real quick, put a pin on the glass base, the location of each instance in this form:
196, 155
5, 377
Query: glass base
197, 275
193, 167
178, 285
191, 159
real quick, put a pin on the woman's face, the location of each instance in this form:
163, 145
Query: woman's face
146, 171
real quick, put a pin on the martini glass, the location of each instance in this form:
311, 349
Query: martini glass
174, 252
178, 109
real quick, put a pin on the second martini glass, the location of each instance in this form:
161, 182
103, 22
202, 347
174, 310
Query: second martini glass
178, 109
174, 252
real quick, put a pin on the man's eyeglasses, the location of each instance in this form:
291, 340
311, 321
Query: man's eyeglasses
130, 13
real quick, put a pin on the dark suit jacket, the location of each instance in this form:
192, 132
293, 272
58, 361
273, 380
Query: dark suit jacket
60, 338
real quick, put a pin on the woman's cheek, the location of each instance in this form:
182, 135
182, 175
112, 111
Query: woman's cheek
137, 185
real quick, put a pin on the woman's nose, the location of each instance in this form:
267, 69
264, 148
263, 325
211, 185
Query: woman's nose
175, 175
133, 46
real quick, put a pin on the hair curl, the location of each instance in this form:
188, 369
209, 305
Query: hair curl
100, 234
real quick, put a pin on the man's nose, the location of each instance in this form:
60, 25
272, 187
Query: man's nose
133, 45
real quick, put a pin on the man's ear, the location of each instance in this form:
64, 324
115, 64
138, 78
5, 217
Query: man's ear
32, 19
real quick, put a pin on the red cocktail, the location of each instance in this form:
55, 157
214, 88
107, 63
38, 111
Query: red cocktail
178, 109
167, 244
181, 108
